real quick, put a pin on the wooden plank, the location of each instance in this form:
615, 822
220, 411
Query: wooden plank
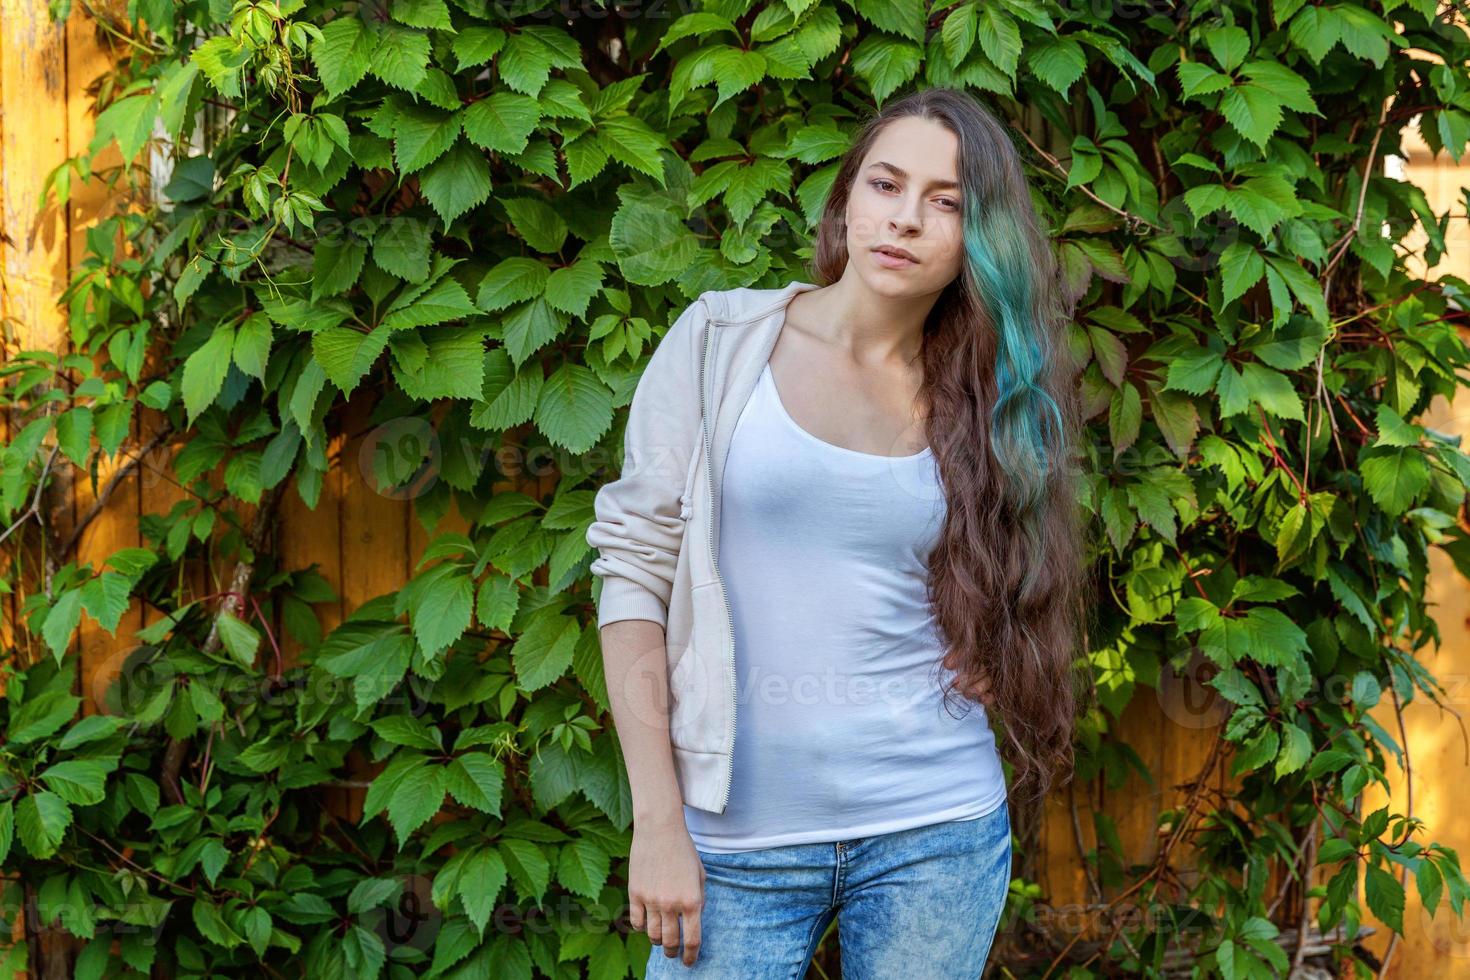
7, 600
374, 560
33, 59
374, 527
314, 536
34, 135
33, 260
1437, 945
88, 56
1439, 765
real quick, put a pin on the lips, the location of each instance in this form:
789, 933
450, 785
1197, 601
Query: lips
895, 251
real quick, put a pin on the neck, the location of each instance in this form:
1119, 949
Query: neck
871, 327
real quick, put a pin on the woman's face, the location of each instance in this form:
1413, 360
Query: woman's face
907, 196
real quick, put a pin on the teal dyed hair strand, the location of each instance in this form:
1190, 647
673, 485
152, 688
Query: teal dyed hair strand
1026, 422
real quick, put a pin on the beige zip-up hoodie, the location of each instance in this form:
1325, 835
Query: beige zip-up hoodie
657, 526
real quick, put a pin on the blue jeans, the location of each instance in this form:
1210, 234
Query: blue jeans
919, 904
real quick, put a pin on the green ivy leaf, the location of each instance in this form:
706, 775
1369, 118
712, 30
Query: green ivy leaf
477, 44
445, 300
402, 247
886, 63
583, 868
895, 16
574, 408
1385, 896
1253, 112
422, 135
543, 651
457, 182
342, 54
507, 398
239, 638
475, 780
451, 369
252, 348
422, 13
1058, 62
651, 242
41, 821
502, 122
420, 794
514, 280
1395, 478
400, 56
634, 144
528, 867
1000, 38
441, 606
530, 327
1194, 370
344, 357
106, 597
61, 622
1229, 45
79, 781
1272, 391
1296, 749
210, 922
205, 370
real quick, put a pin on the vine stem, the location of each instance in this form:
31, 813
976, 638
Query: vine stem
1057, 166
123, 472
1161, 860
1398, 711
232, 600
1276, 455
1341, 246
34, 510
138, 867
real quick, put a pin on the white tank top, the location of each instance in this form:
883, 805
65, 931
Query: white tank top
841, 730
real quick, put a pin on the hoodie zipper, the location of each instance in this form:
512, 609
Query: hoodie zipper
714, 560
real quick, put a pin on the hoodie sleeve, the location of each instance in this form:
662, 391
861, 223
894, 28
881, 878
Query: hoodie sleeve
639, 522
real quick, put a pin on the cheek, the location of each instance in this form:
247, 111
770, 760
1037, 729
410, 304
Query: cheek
949, 243
862, 220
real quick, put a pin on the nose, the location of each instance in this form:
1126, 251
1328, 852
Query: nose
906, 218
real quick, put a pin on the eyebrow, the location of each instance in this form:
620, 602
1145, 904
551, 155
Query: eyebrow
902, 174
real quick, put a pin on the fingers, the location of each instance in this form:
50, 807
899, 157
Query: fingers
662, 926
980, 691
640, 920
670, 939
691, 936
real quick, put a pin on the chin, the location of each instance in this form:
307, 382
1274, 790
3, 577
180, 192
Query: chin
897, 283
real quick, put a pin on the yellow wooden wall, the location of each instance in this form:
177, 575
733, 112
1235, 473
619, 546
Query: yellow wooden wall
1435, 786
367, 544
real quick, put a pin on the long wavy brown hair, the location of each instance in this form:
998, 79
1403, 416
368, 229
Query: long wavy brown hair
1007, 581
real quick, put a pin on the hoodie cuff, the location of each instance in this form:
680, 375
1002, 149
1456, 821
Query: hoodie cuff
622, 598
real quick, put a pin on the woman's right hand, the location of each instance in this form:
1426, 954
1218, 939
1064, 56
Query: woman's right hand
666, 881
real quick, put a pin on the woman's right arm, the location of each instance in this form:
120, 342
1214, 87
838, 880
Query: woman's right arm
638, 532
666, 877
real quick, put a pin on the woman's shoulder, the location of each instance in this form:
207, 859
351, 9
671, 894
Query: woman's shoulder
740, 304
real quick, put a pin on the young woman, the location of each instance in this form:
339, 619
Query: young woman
844, 512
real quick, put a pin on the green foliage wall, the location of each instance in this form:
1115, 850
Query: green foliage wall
475, 219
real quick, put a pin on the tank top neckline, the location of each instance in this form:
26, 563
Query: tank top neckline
768, 378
